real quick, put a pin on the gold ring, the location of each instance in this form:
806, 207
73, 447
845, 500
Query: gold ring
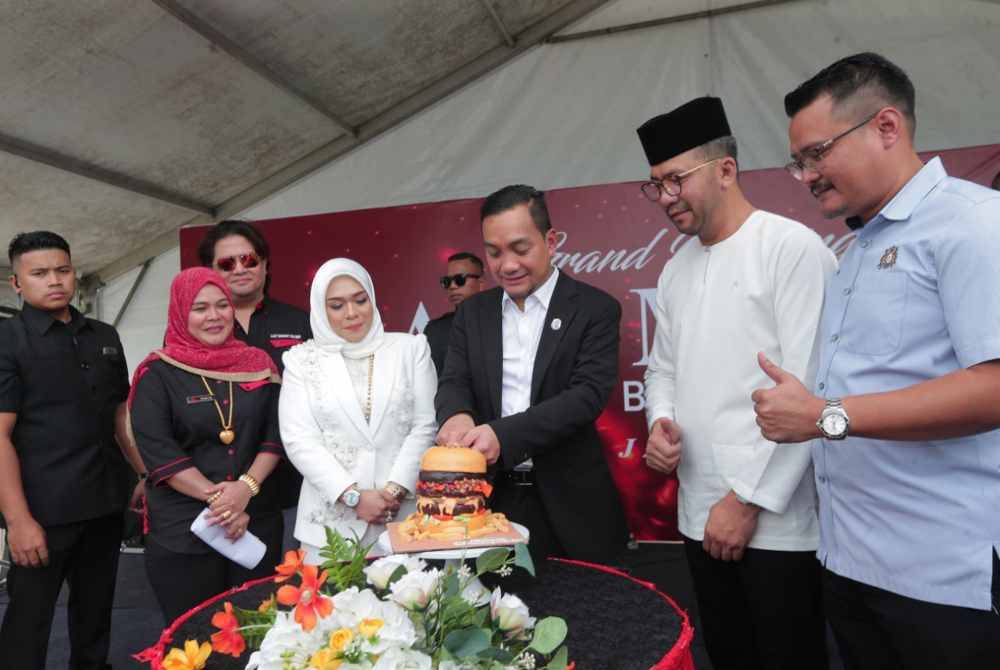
226, 514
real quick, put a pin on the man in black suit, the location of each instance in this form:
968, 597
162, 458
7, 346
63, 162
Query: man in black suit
464, 279
530, 366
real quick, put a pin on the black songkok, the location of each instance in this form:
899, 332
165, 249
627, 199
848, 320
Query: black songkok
690, 125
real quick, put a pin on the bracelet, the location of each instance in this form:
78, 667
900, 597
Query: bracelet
247, 479
143, 476
212, 498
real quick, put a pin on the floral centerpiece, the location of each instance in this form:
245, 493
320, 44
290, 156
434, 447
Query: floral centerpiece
394, 614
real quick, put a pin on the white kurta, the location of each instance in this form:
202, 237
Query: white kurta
761, 289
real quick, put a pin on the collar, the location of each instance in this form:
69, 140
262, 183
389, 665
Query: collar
903, 204
41, 321
543, 294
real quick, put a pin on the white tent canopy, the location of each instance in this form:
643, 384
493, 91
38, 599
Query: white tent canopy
563, 113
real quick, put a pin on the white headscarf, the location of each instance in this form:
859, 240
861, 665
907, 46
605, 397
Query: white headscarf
323, 334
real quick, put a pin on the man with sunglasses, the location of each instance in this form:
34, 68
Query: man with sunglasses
241, 255
747, 281
463, 280
904, 401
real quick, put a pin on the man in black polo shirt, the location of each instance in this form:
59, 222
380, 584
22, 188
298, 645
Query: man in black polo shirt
63, 386
241, 255
463, 280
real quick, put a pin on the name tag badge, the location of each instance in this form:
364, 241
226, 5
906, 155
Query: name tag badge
196, 399
109, 351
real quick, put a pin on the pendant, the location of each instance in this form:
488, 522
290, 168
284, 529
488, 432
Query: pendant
227, 436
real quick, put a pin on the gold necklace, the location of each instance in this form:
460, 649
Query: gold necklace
368, 403
226, 435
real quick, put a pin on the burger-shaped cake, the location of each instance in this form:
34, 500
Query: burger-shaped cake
451, 497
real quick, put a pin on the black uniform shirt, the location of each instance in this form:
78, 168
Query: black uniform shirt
274, 327
65, 381
438, 333
177, 426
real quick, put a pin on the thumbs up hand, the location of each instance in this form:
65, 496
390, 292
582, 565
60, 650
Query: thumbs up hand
787, 412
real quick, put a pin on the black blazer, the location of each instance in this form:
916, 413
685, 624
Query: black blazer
438, 332
576, 367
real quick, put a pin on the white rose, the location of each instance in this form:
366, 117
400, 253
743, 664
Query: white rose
380, 571
285, 641
396, 658
510, 613
414, 589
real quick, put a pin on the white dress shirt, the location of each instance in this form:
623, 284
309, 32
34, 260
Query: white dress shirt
522, 331
760, 289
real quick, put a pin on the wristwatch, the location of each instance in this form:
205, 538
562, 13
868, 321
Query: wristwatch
833, 421
351, 497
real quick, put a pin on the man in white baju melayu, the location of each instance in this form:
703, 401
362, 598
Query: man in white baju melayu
747, 281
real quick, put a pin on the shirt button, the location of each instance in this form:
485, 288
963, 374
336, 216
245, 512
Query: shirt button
865, 244
847, 291
85, 366
822, 386
835, 338
232, 451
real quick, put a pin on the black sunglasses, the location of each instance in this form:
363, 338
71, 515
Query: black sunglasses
459, 279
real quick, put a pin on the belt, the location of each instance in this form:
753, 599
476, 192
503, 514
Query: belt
517, 477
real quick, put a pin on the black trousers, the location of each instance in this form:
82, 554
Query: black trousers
85, 555
880, 630
762, 612
521, 503
182, 581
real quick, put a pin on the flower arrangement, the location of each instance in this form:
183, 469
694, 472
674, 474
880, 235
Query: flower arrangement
394, 614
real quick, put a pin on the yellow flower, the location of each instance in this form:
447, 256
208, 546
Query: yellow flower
325, 659
340, 638
370, 627
192, 658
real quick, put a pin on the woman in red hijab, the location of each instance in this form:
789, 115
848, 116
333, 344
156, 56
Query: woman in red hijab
204, 415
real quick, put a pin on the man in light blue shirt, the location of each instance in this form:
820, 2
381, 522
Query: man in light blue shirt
908, 387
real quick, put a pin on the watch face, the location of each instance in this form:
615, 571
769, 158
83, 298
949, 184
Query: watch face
352, 498
834, 424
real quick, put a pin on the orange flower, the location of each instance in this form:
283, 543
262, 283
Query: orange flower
266, 605
292, 564
309, 602
192, 658
228, 640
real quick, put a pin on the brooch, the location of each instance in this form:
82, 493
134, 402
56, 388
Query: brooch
888, 259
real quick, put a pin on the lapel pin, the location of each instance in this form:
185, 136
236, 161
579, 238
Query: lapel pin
556, 323
888, 259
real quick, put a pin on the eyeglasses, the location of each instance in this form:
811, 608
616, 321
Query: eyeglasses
671, 185
809, 159
228, 263
459, 279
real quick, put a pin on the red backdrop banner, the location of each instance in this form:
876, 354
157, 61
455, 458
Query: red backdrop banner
609, 236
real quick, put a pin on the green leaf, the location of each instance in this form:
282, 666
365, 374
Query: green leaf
502, 656
397, 574
522, 558
491, 560
549, 634
254, 625
467, 641
560, 660
450, 585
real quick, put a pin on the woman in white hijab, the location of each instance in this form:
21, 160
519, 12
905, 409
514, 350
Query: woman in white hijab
356, 412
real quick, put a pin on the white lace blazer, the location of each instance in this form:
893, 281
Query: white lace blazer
327, 439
